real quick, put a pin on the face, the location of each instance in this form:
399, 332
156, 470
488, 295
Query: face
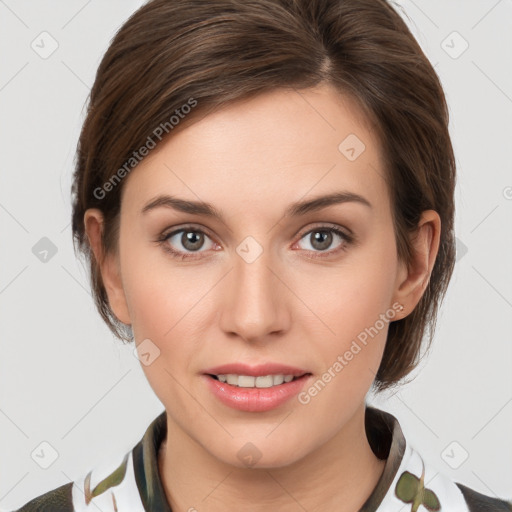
314, 289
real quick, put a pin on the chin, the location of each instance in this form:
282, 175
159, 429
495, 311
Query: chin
259, 454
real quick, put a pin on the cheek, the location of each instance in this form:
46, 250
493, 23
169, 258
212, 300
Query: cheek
166, 309
349, 314
351, 295
163, 325
358, 316
156, 293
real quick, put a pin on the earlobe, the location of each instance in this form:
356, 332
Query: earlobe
108, 265
413, 281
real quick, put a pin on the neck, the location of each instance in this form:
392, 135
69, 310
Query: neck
340, 473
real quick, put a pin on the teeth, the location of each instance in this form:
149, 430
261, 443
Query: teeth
279, 379
247, 381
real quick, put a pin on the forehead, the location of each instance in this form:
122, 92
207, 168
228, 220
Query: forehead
267, 151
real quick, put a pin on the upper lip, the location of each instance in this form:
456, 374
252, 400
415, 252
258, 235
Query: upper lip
256, 370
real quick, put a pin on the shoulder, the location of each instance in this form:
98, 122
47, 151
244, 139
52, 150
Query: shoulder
109, 486
130, 482
409, 480
415, 481
57, 500
419, 482
478, 502
425, 483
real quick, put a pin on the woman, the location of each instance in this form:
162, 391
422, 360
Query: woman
264, 193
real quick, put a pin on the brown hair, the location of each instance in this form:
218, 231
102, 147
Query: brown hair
169, 54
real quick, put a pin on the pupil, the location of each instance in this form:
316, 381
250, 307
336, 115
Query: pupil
323, 238
191, 237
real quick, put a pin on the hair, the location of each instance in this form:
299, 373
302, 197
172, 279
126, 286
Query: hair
207, 54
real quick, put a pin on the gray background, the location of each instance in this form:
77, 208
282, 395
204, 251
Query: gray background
64, 380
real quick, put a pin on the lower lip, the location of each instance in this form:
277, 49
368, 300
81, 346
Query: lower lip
255, 399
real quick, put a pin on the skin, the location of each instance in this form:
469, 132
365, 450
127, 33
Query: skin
251, 160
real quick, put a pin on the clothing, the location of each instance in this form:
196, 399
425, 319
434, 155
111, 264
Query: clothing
134, 485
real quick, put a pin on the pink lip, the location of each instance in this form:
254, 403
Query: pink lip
255, 371
255, 399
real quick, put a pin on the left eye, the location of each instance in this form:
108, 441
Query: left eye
322, 238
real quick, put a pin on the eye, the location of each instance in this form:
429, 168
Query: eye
322, 237
190, 239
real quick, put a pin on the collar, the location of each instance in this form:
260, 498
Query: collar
387, 441
382, 429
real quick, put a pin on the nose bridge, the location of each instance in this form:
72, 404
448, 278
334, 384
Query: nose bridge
254, 308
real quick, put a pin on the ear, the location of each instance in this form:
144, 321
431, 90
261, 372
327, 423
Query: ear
108, 264
412, 282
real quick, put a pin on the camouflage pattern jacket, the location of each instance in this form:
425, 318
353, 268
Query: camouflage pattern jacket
134, 485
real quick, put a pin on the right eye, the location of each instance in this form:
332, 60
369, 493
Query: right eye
190, 238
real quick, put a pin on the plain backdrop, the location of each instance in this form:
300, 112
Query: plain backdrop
64, 379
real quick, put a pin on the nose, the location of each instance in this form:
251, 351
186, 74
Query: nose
255, 305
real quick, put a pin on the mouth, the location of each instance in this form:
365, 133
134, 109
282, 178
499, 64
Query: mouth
250, 381
258, 387
256, 393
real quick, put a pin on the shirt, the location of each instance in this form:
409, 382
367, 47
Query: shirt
133, 484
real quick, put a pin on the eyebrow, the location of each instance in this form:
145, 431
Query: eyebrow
294, 210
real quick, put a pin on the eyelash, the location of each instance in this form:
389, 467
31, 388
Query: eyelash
347, 241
